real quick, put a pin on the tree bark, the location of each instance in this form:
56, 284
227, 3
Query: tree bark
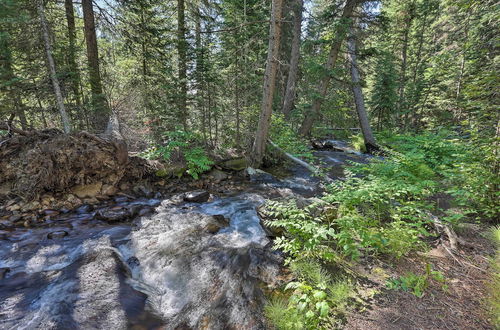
344, 24
259, 145
370, 143
182, 62
52, 69
75, 72
100, 109
291, 84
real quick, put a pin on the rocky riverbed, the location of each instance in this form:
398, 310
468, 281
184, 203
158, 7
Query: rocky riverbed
199, 259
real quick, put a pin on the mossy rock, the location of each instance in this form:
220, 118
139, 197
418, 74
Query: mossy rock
170, 172
235, 164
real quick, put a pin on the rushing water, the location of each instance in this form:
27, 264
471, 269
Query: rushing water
185, 266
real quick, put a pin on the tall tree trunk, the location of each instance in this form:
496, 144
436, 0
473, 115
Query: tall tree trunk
404, 61
369, 139
100, 109
200, 102
75, 72
7, 78
182, 65
343, 27
259, 145
416, 69
52, 69
291, 84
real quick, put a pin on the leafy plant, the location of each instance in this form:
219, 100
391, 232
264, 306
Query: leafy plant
314, 301
181, 145
417, 284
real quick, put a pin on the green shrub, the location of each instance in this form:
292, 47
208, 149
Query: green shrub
180, 145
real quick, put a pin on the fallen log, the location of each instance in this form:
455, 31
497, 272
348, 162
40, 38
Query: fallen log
313, 169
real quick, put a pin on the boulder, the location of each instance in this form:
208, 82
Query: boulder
199, 196
87, 190
235, 164
112, 215
218, 175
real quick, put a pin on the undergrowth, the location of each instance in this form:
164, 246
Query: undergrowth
181, 146
314, 300
417, 284
493, 299
383, 208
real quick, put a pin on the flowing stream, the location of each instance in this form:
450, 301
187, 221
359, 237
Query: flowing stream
177, 265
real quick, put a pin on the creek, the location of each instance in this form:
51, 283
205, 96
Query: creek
176, 265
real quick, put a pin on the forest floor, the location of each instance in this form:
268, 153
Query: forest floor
456, 303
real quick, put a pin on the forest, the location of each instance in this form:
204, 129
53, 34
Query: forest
250, 164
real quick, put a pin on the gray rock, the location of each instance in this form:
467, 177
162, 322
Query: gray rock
113, 215
218, 175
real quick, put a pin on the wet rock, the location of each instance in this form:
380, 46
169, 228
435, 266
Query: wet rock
121, 199
49, 212
4, 272
85, 208
92, 200
15, 218
219, 222
113, 215
57, 234
199, 196
5, 224
236, 164
87, 190
145, 211
133, 262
